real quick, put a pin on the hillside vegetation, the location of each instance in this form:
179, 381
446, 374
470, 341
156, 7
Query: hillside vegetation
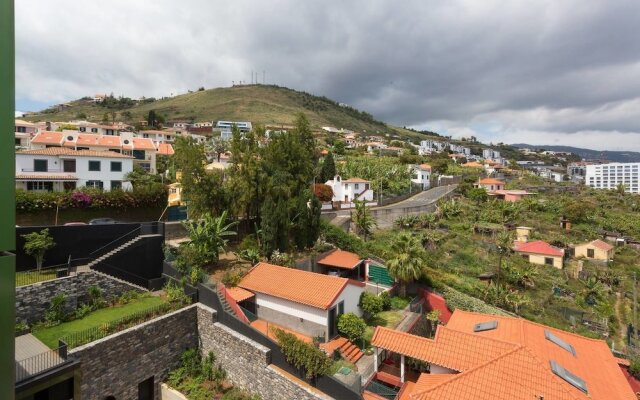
260, 104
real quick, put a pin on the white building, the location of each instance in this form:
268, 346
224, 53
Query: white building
609, 176
490, 154
460, 149
422, 175
348, 190
58, 169
143, 150
243, 126
305, 302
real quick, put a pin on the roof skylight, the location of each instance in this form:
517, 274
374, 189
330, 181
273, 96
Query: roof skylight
485, 326
570, 378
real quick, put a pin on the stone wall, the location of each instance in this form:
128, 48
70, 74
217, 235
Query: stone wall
32, 301
115, 365
246, 361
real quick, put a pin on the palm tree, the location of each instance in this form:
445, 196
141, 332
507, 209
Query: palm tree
363, 219
504, 241
407, 260
209, 234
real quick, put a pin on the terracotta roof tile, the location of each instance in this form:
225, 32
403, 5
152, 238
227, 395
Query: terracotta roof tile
490, 181
601, 245
539, 247
143, 144
341, 259
65, 152
355, 180
165, 149
309, 288
239, 294
425, 167
47, 137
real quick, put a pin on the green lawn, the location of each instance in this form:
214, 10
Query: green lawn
50, 336
31, 277
388, 319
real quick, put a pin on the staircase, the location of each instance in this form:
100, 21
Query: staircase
114, 251
347, 349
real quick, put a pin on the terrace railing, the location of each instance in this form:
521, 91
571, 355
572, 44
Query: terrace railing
25, 278
89, 335
40, 363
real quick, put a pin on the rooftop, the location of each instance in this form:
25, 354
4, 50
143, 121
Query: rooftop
61, 151
539, 247
308, 288
341, 259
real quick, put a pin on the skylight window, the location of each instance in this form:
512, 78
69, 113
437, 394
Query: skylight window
572, 379
485, 326
553, 338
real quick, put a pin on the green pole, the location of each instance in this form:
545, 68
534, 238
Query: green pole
7, 202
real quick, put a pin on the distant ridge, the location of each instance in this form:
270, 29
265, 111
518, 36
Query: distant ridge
588, 154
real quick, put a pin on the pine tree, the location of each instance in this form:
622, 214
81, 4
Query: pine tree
328, 168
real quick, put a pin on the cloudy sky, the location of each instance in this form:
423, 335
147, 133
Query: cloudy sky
541, 72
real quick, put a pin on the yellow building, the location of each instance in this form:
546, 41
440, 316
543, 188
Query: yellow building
540, 252
595, 250
175, 194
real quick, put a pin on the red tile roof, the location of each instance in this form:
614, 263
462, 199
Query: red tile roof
355, 180
65, 152
239, 294
490, 181
341, 259
47, 137
425, 167
309, 288
601, 245
539, 247
143, 144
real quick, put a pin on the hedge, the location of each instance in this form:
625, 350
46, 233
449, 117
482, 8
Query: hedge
458, 300
152, 196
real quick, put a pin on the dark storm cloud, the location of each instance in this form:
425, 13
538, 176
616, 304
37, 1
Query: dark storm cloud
500, 70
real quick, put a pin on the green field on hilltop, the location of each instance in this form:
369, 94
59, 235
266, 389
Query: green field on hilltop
260, 104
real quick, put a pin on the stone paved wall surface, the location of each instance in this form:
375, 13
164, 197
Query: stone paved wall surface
32, 301
246, 361
113, 366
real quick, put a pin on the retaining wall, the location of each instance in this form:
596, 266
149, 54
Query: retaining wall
32, 301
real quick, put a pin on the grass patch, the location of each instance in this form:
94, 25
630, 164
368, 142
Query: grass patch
400, 303
31, 277
341, 363
50, 335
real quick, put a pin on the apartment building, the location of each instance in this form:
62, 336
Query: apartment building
143, 150
490, 154
609, 176
57, 169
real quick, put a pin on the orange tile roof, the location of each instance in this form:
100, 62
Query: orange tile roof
450, 349
239, 294
601, 245
88, 139
539, 247
526, 372
45, 177
341, 259
355, 180
473, 164
109, 141
490, 181
47, 137
309, 288
62, 151
166, 149
143, 144
425, 167
427, 381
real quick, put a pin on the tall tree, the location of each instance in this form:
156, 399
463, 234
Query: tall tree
36, 245
363, 219
152, 118
407, 260
209, 235
504, 241
328, 168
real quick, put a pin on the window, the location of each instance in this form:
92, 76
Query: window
94, 165
95, 184
554, 339
69, 165
591, 253
357, 186
570, 378
40, 165
116, 185
40, 186
21, 129
485, 326
94, 130
341, 308
116, 166
548, 261
17, 142
83, 129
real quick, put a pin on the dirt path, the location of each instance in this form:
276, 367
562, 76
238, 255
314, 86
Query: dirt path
622, 328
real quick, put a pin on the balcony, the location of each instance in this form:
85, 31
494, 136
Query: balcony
33, 358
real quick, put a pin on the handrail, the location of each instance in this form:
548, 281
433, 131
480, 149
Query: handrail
115, 240
39, 363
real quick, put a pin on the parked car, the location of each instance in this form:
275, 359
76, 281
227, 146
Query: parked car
102, 221
75, 223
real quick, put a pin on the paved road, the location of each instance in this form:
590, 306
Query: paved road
422, 198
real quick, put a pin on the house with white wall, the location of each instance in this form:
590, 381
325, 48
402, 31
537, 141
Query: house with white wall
301, 301
490, 184
143, 150
58, 169
422, 175
348, 190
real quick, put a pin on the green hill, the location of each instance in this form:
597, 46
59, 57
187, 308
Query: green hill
260, 104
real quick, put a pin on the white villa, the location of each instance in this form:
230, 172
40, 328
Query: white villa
422, 175
348, 190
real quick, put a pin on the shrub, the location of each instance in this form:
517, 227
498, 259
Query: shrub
634, 368
176, 294
82, 311
323, 192
232, 277
386, 301
55, 313
351, 326
370, 304
303, 355
336, 236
